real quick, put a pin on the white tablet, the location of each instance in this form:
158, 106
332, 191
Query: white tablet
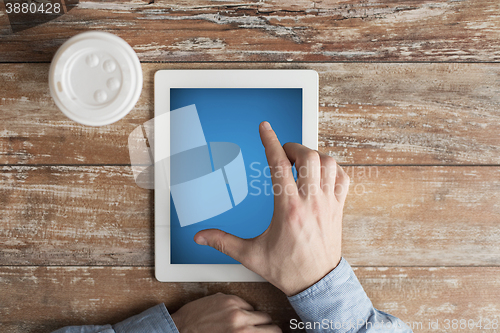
217, 176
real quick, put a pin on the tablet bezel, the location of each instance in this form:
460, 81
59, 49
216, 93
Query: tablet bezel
164, 80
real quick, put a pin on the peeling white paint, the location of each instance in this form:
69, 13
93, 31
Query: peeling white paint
200, 43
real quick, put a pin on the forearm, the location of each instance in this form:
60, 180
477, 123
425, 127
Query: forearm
339, 304
154, 320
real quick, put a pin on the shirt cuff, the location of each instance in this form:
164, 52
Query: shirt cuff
337, 299
154, 320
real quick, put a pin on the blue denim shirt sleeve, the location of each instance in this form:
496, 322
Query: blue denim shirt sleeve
154, 320
338, 303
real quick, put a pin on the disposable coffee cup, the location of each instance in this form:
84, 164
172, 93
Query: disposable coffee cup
95, 78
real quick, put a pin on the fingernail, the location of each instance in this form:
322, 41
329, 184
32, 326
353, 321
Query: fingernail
201, 241
266, 126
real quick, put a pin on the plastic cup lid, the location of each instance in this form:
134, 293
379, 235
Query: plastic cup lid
95, 78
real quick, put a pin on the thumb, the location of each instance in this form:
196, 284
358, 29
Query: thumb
233, 246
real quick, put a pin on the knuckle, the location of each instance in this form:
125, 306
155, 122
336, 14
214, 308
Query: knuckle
316, 207
341, 190
328, 162
221, 297
293, 206
236, 316
219, 244
294, 212
230, 300
344, 178
311, 156
282, 163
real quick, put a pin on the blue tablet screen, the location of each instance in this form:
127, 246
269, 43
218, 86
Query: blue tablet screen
233, 115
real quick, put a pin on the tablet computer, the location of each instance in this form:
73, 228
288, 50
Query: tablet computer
216, 170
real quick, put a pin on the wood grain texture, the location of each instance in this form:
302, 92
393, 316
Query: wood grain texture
77, 236
101, 295
394, 216
438, 114
75, 215
82, 295
277, 31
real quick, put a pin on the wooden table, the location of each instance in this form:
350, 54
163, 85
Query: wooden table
409, 105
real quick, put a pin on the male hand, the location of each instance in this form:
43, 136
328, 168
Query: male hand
222, 313
303, 242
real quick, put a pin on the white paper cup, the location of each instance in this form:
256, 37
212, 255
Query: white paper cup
95, 78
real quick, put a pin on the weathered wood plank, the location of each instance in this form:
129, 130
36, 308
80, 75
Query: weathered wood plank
278, 31
42, 299
395, 216
35, 131
423, 216
68, 215
410, 113
369, 113
82, 295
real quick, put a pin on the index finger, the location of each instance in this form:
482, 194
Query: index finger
281, 168
241, 303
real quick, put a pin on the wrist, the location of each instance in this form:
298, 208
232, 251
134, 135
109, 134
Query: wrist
295, 287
